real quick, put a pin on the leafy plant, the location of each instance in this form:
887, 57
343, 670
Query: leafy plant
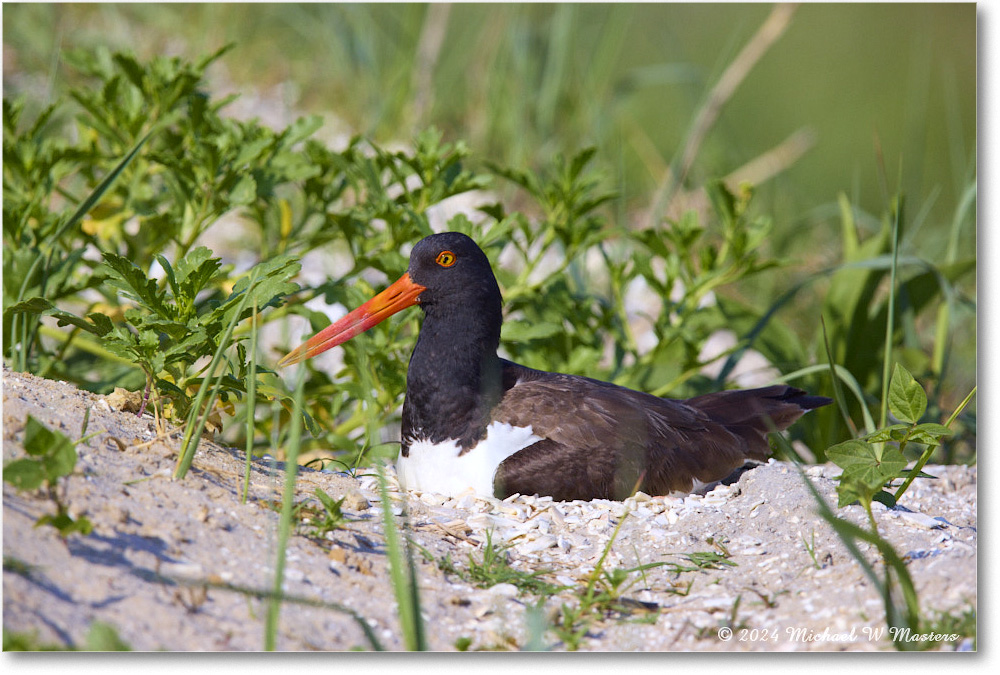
870, 465
900, 612
493, 567
872, 462
165, 302
702, 560
51, 457
327, 518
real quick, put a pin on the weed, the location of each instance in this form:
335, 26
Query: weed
871, 463
962, 624
701, 560
492, 568
327, 518
51, 457
314, 517
810, 547
101, 637
600, 597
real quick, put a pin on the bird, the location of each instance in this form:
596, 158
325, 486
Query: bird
473, 421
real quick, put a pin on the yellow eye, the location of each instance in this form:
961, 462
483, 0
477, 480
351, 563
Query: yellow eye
445, 259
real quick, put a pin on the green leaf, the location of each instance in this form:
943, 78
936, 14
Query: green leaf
197, 268
66, 525
850, 453
866, 462
39, 440
580, 160
30, 306
852, 489
907, 400
24, 473
103, 637
245, 191
895, 432
126, 276
301, 129
102, 323
522, 331
99, 324
929, 433
885, 498
168, 271
52, 455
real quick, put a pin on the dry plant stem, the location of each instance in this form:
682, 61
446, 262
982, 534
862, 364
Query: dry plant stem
774, 161
772, 29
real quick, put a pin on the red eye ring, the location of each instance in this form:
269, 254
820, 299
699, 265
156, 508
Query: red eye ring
446, 259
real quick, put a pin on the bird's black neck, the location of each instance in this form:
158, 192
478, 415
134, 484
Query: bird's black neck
455, 376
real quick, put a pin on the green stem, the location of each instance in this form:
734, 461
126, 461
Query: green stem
251, 405
285, 523
915, 471
208, 390
891, 314
404, 585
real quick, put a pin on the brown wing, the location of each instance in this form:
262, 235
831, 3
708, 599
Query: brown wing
604, 441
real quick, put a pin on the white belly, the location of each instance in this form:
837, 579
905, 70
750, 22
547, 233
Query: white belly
437, 467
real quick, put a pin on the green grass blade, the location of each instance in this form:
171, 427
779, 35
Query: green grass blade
285, 522
845, 376
263, 594
207, 392
897, 217
838, 391
849, 534
103, 186
403, 575
945, 311
251, 405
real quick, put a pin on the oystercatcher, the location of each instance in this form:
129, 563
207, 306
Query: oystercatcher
474, 420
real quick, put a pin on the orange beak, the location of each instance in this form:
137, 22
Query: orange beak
400, 295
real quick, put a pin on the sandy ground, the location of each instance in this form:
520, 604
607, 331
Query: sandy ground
165, 556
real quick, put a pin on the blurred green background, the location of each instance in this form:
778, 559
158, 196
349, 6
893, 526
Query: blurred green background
867, 100
522, 82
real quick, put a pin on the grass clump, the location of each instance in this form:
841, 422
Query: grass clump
493, 567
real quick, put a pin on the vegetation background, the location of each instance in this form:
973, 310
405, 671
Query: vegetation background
862, 100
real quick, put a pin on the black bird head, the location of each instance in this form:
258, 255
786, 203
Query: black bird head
455, 274
449, 275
